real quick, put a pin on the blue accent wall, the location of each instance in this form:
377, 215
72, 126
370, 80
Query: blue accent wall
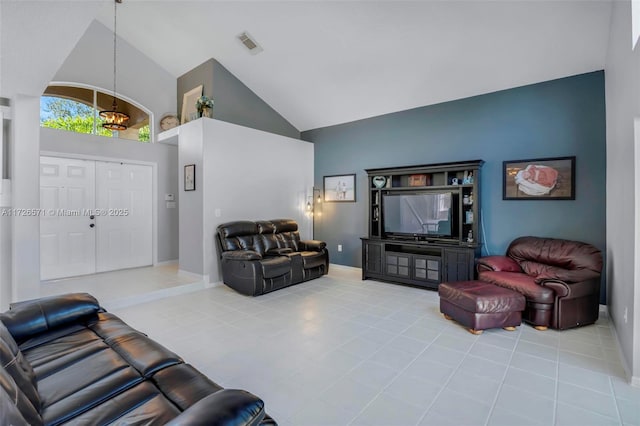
564, 117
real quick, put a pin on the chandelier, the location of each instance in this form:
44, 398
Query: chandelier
114, 119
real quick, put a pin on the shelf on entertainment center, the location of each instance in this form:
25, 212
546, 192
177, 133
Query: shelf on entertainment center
424, 201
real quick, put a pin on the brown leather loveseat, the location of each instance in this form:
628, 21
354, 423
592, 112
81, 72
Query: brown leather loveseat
560, 279
263, 256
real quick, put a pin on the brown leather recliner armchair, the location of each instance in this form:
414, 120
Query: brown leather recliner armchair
560, 279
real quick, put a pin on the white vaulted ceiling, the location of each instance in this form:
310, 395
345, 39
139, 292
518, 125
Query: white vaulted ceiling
330, 62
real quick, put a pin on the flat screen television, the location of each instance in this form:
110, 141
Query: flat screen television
417, 214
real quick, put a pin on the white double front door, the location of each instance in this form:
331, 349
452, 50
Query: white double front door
95, 216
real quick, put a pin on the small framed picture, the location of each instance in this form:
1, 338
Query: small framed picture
190, 177
189, 110
417, 180
340, 188
539, 179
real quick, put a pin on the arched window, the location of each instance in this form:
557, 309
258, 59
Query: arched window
76, 109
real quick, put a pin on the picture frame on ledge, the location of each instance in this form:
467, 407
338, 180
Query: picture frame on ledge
189, 109
190, 177
551, 178
340, 188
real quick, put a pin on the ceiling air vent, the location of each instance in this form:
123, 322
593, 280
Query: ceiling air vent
250, 43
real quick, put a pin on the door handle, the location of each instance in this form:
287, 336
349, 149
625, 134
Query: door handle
92, 217
91, 225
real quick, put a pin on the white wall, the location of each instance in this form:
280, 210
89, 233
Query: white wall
245, 174
25, 238
139, 78
622, 82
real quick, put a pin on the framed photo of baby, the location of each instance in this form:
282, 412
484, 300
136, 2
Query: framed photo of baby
539, 179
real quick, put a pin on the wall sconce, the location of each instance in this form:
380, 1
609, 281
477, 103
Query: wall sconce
313, 202
314, 206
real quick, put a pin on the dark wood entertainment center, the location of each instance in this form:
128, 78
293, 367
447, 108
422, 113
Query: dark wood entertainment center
445, 243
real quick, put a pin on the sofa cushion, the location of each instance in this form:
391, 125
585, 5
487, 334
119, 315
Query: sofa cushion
541, 255
275, 266
184, 385
234, 229
289, 240
284, 225
85, 384
144, 354
521, 283
31, 317
142, 404
15, 364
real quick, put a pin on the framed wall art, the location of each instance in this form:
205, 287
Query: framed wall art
539, 179
190, 177
189, 109
340, 188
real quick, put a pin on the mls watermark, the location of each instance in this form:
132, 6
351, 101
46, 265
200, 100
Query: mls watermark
6, 211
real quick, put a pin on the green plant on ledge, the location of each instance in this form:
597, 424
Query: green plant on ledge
204, 105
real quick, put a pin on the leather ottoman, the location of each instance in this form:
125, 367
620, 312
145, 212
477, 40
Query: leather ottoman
479, 305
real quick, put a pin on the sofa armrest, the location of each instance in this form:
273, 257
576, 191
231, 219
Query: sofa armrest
241, 255
312, 245
225, 407
498, 263
567, 275
573, 289
31, 317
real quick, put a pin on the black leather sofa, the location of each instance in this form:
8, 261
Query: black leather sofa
263, 256
67, 361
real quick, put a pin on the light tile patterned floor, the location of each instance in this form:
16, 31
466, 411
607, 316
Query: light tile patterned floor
341, 351
127, 286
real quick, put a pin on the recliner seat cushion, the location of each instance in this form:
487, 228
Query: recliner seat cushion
275, 266
142, 404
521, 283
16, 365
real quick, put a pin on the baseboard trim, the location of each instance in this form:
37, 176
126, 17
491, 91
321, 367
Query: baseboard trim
344, 267
166, 262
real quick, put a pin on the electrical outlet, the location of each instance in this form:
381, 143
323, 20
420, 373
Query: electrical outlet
626, 314
339, 247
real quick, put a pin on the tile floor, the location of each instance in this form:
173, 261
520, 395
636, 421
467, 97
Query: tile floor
128, 286
341, 351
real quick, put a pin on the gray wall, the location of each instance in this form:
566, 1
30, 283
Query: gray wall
623, 240
200, 75
551, 119
165, 156
233, 101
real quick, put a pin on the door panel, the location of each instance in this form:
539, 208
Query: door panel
67, 243
124, 231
